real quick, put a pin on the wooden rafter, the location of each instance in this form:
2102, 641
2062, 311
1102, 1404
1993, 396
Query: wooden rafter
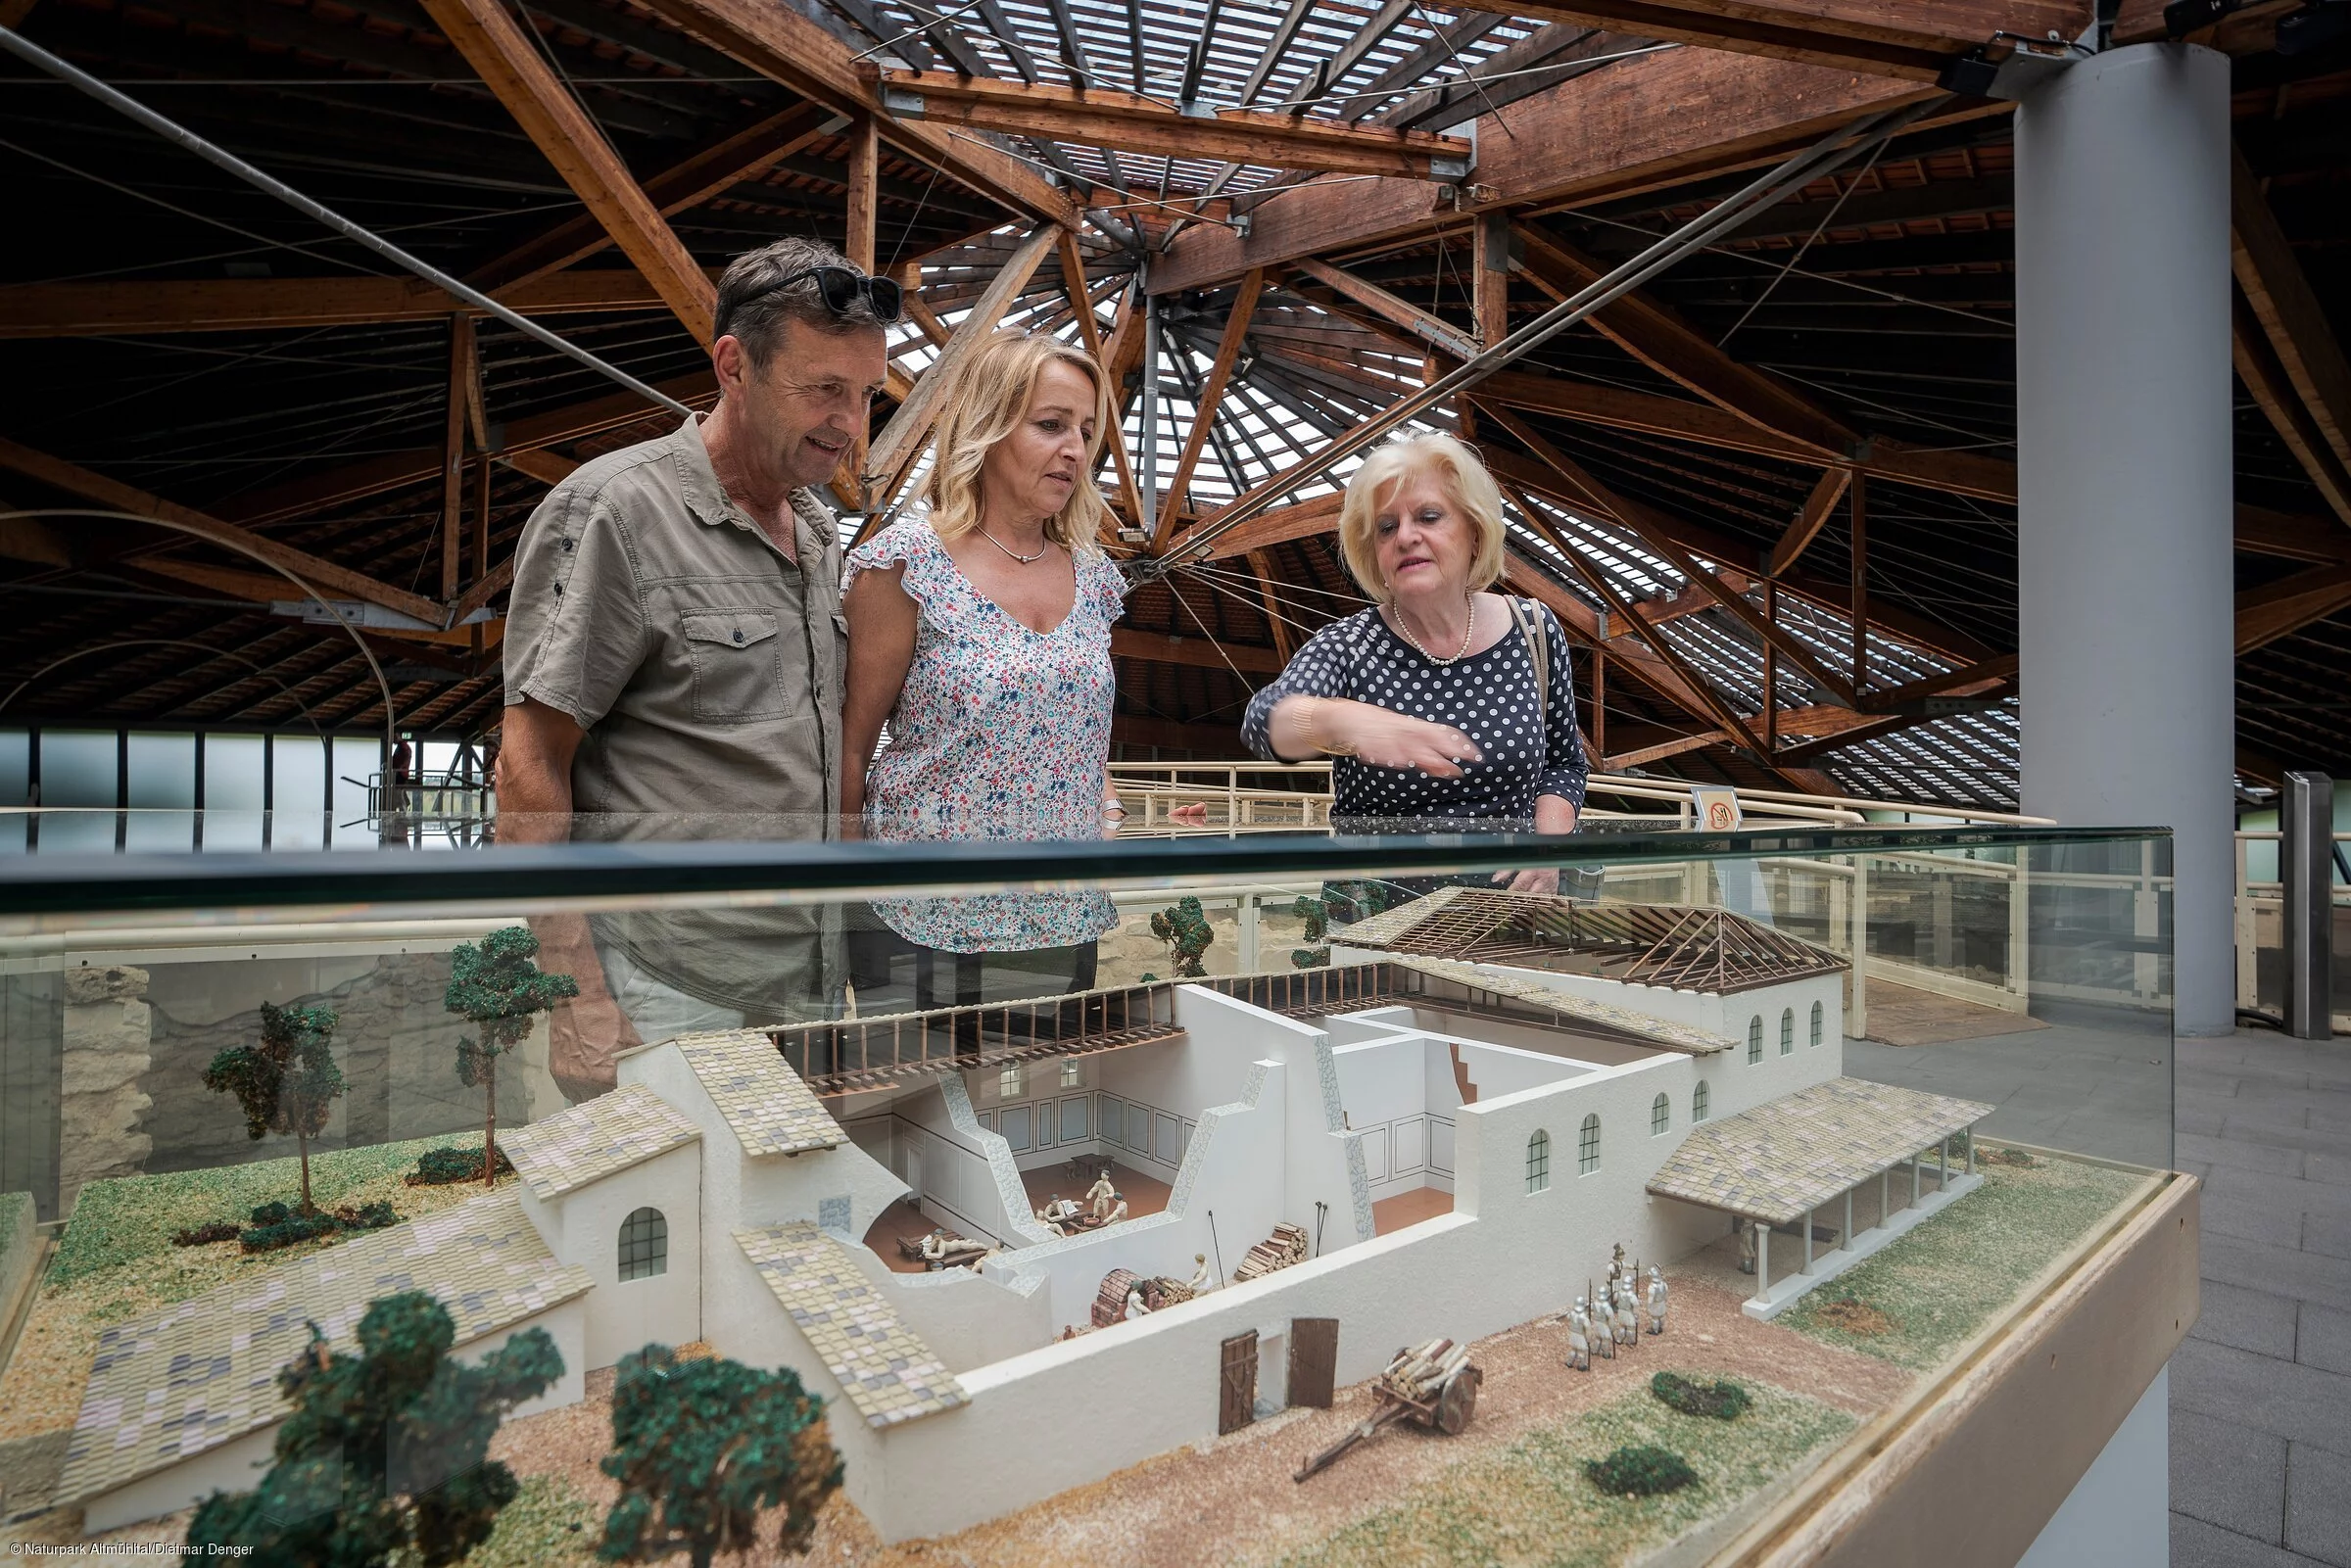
2289, 311
900, 443
1809, 520
1105, 116
1913, 41
1206, 405
2282, 608
511, 67
2273, 392
1089, 332
1430, 331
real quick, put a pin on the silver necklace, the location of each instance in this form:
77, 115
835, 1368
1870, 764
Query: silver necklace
1458, 653
1013, 554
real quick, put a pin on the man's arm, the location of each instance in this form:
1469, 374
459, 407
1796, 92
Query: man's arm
533, 807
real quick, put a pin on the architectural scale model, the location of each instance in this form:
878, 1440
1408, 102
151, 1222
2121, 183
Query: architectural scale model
1544, 1078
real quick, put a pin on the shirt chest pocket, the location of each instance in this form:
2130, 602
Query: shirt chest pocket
739, 667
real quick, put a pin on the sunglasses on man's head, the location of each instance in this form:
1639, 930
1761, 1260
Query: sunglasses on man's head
841, 288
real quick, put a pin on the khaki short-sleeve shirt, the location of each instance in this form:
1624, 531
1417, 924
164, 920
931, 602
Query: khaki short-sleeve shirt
706, 669
705, 666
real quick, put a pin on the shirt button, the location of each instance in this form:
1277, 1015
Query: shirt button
738, 634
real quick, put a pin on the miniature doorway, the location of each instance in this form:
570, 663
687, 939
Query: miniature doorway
1313, 1360
1236, 1383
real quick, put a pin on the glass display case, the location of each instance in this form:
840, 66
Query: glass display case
1352, 1200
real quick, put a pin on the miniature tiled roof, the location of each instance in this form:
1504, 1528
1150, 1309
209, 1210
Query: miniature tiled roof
770, 1111
1684, 947
1645, 1028
890, 1375
596, 1138
180, 1381
1782, 1160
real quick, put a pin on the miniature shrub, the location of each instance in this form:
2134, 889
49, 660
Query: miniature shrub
446, 1167
1996, 1156
206, 1235
1640, 1472
1723, 1399
276, 1226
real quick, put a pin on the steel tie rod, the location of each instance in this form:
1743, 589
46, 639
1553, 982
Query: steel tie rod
25, 49
1836, 149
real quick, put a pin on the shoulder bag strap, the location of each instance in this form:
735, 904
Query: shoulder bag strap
1538, 648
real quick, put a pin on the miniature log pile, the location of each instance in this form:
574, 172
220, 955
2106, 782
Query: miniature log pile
1286, 1246
1158, 1293
1433, 1386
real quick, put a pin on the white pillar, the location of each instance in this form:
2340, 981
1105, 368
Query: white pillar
2124, 464
1916, 1161
1762, 1261
1805, 1268
1845, 1236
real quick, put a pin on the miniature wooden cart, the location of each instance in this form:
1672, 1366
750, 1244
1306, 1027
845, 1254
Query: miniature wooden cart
1434, 1386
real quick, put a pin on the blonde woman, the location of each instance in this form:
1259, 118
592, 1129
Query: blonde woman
980, 632
1435, 701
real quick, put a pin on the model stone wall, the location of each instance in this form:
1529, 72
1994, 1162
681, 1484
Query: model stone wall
106, 1111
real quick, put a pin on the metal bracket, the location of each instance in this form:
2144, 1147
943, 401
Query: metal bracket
902, 102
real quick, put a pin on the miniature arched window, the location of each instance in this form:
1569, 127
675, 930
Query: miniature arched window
1538, 1162
1587, 1147
1816, 1023
1754, 1038
1786, 1031
1660, 1115
1697, 1102
644, 1245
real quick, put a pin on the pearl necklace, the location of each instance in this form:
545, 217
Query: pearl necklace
1025, 560
1459, 653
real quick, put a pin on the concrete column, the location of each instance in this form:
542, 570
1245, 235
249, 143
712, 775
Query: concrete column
1805, 1268
1916, 1161
2124, 462
1763, 1262
1845, 1236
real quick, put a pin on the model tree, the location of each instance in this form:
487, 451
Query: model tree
385, 1456
287, 1084
701, 1446
1185, 930
498, 988
1316, 951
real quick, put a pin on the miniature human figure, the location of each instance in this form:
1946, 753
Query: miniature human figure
935, 1246
1616, 1267
1134, 1306
1603, 1333
1202, 1282
1579, 1339
1118, 1213
1656, 1300
1747, 1245
1628, 1312
1100, 1195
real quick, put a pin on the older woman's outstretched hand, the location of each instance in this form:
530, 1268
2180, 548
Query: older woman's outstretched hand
1378, 736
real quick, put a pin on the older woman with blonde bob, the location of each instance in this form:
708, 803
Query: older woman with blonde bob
980, 631
1442, 701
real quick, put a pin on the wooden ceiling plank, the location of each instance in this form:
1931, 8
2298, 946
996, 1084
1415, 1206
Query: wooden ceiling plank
2284, 607
321, 575
1429, 331
1809, 520
1911, 42
1089, 332
2273, 392
486, 33
2288, 310
1206, 405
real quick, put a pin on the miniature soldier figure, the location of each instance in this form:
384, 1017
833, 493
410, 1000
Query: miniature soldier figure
1579, 1339
1134, 1306
1628, 1312
1656, 1300
1603, 1329
1747, 1245
1100, 1195
1616, 1267
1201, 1282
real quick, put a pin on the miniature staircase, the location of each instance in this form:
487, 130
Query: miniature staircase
1460, 1076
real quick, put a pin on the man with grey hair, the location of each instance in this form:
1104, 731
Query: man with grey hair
674, 659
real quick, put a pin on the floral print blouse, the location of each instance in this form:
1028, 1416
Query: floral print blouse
1000, 731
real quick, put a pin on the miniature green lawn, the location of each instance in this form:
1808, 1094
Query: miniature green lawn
1529, 1504
1939, 1283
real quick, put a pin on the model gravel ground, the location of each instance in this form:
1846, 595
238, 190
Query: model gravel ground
1938, 1285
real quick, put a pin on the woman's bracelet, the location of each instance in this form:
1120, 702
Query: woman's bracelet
1315, 740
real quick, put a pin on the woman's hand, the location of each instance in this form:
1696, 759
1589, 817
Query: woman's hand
1553, 815
1546, 881
1385, 739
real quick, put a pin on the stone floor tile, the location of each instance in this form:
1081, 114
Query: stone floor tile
2228, 1475
2284, 1192
2334, 1170
2317, 1505
2241, 1154
2248, 1320
2249, 1220
2197, 1545
2280, 1271
2205, 1118
2324, 1338
2327, 1234
2297, 1402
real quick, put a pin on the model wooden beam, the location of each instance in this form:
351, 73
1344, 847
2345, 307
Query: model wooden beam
2282, 608
1640, 124
1913, 41
486, 33
323, 576
1429, 331
2290, 318
1105, 116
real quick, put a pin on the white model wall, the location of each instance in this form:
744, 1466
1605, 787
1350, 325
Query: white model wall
970, 1319
1401, 1096
1503, 1256
583, 1227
